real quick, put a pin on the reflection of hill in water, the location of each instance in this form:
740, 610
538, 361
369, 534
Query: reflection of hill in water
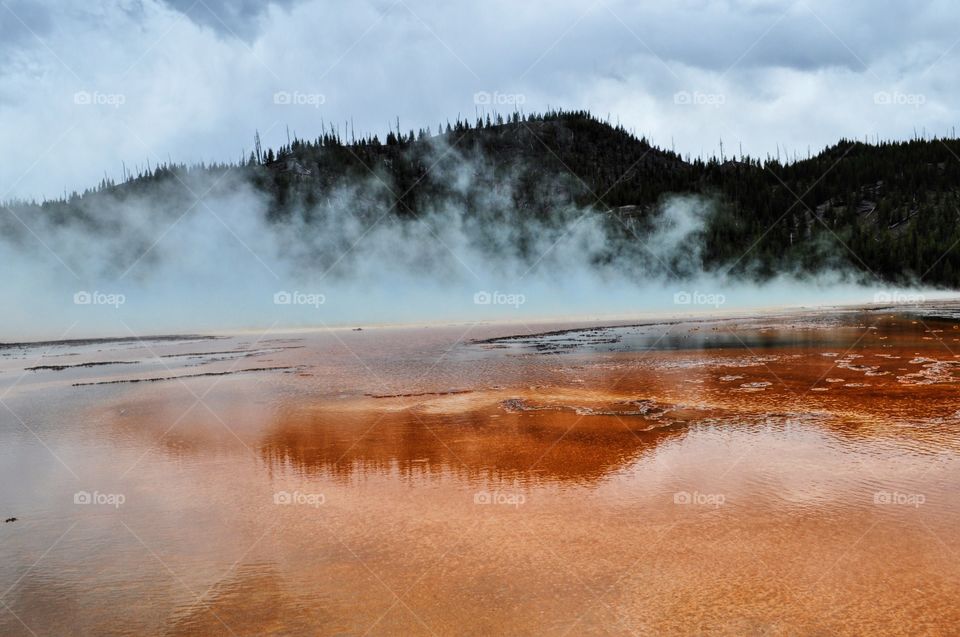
560, 446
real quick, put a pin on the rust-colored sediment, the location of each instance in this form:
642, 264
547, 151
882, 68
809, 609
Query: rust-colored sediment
801, 484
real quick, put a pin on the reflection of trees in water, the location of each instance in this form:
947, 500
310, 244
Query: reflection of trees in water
550, 445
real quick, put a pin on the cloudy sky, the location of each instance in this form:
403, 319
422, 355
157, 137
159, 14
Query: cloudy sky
86, 86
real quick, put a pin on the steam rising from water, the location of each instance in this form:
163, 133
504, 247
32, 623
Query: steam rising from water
160, 262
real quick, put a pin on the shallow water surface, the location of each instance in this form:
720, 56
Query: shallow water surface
783, 475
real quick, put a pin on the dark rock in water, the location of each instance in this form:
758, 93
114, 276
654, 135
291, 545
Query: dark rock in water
358, 329
10, 520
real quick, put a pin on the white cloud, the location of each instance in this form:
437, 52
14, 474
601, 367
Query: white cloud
194, 87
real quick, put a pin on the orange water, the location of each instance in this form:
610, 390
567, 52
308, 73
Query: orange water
791, 475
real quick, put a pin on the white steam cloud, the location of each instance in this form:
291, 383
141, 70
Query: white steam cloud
163, 261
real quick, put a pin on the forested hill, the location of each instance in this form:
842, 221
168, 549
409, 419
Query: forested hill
889, 210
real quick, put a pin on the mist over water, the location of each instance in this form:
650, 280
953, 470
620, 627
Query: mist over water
204, 254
